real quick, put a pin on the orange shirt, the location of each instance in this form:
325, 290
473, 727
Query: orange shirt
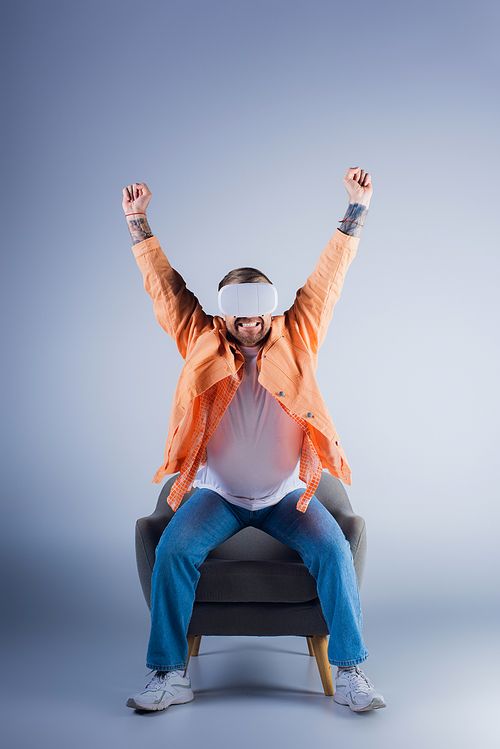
214, 365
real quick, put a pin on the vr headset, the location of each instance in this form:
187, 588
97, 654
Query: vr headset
248, 299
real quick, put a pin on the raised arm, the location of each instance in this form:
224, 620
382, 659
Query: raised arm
312, 309
176, 308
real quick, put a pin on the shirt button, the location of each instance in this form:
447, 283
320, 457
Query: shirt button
309, 415
281, 393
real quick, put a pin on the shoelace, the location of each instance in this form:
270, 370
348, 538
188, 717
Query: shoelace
358, 679
156, 681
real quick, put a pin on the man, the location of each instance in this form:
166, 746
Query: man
250, 430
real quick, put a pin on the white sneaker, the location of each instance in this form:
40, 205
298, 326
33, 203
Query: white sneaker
164, 689
354, 689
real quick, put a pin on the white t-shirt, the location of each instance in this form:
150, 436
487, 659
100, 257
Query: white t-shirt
253, 456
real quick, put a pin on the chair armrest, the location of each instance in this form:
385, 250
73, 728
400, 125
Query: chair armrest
147, 534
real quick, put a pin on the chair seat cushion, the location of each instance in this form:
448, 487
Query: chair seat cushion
253, 544
240, 581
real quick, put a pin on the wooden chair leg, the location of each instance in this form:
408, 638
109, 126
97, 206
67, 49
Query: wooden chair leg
193, 646
310, 646
320, 644
196, 646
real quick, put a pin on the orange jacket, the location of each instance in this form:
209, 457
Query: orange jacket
286, 362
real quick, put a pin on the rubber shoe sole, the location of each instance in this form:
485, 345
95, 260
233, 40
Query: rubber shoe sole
176, 699
375, 704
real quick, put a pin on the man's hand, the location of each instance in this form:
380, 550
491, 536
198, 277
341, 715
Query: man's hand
359, 186
136, 198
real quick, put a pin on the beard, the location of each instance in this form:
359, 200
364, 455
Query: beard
249, 331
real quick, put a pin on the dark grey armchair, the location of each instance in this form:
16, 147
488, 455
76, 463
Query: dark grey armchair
254, 585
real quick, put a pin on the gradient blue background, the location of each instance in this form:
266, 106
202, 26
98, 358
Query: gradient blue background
242, 118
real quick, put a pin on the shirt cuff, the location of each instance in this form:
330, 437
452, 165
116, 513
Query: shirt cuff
147, 245
339, 238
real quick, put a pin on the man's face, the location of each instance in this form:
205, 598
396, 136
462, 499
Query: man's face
249, 331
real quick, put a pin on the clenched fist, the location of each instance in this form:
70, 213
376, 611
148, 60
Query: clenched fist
136, 198
358, 184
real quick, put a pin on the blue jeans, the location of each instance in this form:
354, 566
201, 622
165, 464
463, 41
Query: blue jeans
204, 522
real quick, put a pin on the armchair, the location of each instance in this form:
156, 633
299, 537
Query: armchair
254, 585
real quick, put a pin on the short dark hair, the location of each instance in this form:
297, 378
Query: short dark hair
244, 275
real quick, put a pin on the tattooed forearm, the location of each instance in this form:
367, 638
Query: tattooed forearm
139, 228
354, 219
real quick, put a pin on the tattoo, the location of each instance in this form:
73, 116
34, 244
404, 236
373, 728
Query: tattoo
139, 229
354, 219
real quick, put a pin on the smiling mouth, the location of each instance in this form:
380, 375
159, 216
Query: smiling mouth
249, 325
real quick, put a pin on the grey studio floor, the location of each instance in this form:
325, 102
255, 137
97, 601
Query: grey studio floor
67, 684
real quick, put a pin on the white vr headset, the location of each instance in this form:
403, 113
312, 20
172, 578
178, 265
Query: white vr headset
248, 299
